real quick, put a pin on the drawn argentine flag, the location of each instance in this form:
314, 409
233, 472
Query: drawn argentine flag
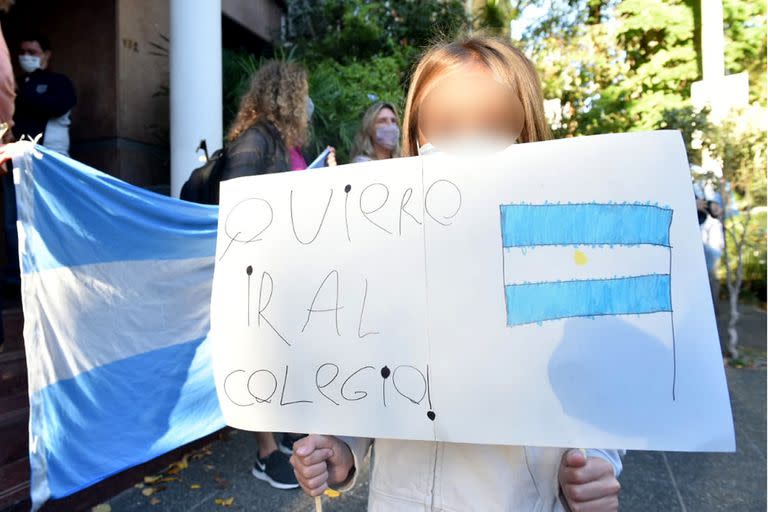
585, 260
116, 285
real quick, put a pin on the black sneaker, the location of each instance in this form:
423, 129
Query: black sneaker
275, 470
286, 443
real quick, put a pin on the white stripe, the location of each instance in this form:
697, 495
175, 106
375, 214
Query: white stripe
565, 263
87, 316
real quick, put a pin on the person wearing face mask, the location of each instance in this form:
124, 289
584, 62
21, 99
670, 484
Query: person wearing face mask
44, 98
272, 123
298, 161
379, 135
43, 102
273, 119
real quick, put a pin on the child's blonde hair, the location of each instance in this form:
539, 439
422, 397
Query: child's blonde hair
509, 65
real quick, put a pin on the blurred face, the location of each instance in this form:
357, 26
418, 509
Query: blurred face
386, 117
33, 49
469, 102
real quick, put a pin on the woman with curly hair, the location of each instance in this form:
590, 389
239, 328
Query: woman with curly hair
271, 124
272, 120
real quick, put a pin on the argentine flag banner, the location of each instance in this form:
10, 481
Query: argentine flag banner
617, 259
116, 285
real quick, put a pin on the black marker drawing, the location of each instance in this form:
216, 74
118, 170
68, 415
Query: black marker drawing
319, 226
403, 205
251, 218
347, 189
448, 216
226, 390
334, 310
256, 397
319, 386
360, 334
401, 392
263, 304
366, 212
248, 272
360, 394
385, 372
282, 394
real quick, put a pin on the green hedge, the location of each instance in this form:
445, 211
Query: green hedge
341, 93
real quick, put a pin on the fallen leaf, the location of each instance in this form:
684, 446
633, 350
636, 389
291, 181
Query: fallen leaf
154, 501
167, 479
195, 486
149, 491
225, 502
332, 493
179, 465
139, 485
152, 479
104, 507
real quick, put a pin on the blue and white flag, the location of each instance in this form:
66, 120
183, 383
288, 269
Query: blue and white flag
585, 260
116, 285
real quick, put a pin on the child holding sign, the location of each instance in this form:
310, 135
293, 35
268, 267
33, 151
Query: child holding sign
474, 93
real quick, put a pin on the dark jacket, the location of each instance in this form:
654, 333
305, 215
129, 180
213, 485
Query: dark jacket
42, 96
258, 150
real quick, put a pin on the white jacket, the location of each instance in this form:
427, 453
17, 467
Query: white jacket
428, 476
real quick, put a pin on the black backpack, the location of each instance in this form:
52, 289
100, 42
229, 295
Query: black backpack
203, 184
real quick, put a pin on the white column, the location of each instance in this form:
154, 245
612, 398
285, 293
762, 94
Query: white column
195, 83
712, 39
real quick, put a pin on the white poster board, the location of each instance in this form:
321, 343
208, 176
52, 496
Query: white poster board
553, 294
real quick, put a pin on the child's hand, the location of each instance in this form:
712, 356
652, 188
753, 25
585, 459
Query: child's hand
320, 461
588, 483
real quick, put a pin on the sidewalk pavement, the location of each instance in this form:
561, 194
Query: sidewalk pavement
652, 481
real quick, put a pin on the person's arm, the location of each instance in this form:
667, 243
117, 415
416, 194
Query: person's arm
359, 447
57, 100
7, 84
248, 155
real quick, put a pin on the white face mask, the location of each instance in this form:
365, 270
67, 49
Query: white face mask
29, 63
468, 145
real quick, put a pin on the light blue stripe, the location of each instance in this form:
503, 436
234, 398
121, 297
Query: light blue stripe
125, 413
538, 302
525, 225
79, 215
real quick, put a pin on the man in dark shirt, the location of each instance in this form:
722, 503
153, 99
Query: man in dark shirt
44, 99
43, 102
